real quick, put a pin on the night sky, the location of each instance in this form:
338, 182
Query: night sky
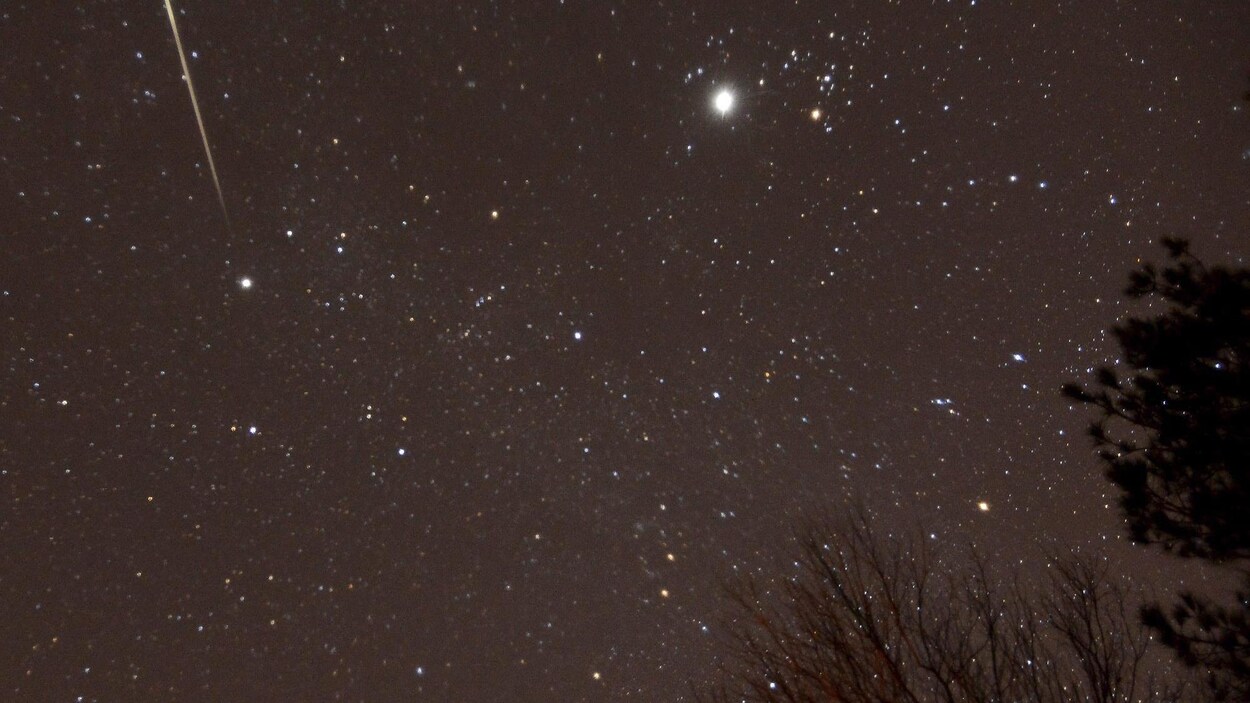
516, 346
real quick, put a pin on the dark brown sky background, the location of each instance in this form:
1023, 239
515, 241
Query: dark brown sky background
538, 346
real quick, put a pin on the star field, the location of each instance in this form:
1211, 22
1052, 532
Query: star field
534, 322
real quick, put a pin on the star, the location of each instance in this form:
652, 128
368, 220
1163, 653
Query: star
245, 283
724, 101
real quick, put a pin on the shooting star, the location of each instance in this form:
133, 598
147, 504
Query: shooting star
195, 105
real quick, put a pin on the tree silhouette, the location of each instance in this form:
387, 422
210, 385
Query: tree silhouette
1173, 433
862, 618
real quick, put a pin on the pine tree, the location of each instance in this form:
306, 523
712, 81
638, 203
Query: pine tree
1173, 433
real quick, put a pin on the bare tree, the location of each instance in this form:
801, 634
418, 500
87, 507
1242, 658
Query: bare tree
863, 619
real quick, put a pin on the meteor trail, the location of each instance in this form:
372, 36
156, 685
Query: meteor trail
195, 105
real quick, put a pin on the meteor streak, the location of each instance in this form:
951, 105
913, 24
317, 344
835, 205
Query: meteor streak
195, 105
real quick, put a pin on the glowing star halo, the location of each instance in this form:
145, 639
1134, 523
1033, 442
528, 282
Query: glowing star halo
724, 101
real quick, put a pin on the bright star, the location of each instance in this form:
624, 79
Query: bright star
245, 283
723, 102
